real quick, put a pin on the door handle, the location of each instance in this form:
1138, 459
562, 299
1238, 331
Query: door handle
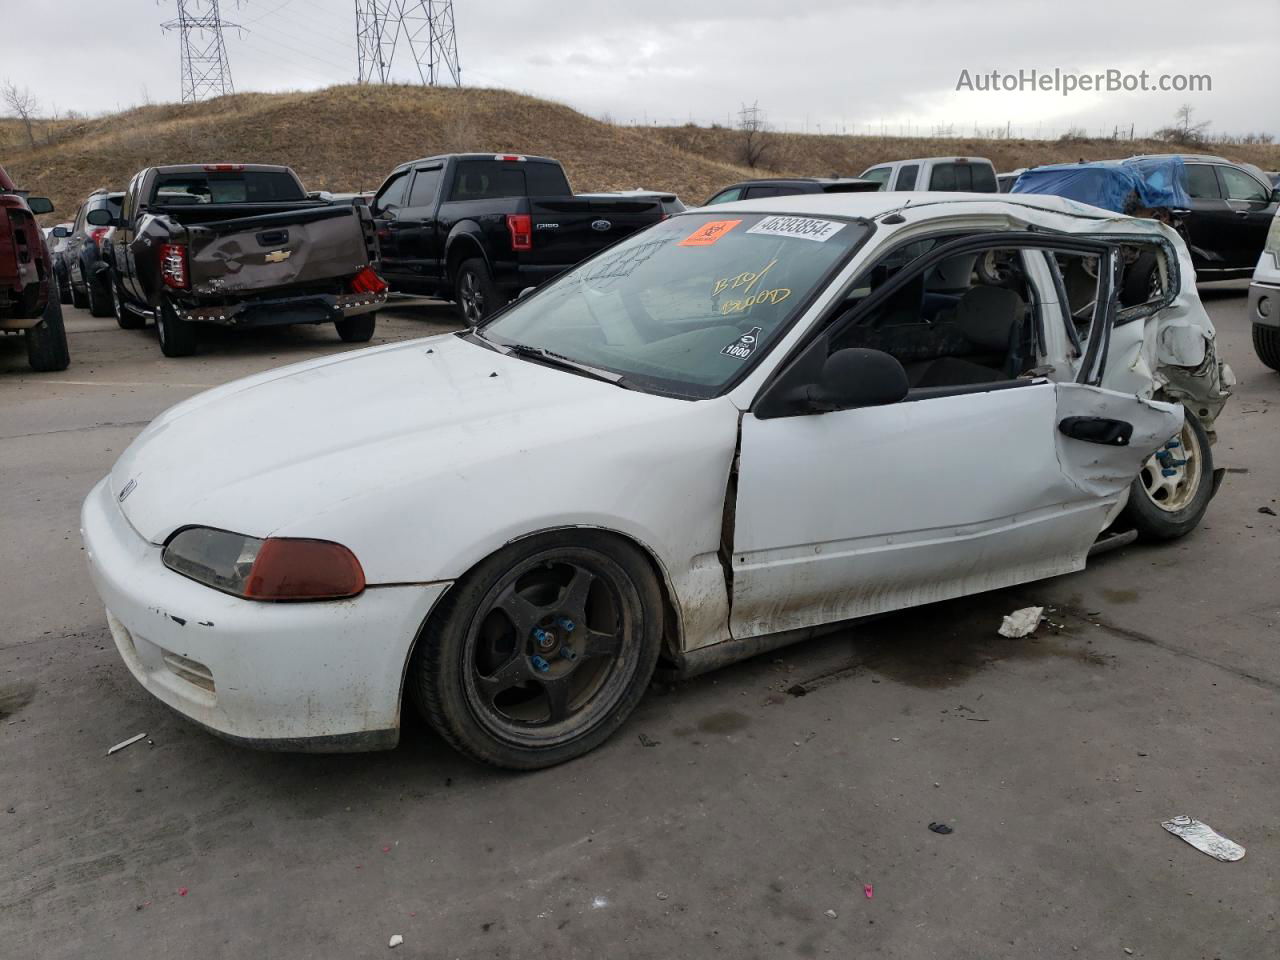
273, 238
1112, 433
1242, 213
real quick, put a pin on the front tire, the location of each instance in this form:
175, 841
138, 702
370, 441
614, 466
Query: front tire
1266, 344
1173, 489
64, 285
542, 651
357, 329
79, 299
474, 292
177, 336
47, 341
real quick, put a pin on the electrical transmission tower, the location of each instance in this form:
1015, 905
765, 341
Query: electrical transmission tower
425, 26
206, 72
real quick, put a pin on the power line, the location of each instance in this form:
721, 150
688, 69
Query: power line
425, 26
203, 63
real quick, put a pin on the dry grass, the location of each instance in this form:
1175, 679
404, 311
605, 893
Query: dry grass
349, 137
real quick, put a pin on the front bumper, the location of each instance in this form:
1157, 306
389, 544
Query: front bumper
1264, 304
312, 308
293, 676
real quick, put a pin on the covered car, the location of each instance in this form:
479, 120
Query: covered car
721, 435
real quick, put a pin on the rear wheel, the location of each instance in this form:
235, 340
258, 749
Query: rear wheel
358, 329
540, 653
177, 336
99, 297
474, 291
126, 319
47, 341
1172, 491
1266, 344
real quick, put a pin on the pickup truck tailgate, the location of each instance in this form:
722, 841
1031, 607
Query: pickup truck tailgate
568, 230
262, 253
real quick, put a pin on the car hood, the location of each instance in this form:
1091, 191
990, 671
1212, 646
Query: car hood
268, 454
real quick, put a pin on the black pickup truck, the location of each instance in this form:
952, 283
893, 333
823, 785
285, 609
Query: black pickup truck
238, 245
477, 228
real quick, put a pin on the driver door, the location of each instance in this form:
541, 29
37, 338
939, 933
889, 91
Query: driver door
948, 492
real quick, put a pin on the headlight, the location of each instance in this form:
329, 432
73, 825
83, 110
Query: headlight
276, 568
1273, 238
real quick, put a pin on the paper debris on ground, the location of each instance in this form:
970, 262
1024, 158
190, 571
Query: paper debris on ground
126, 743
1021, 623
396, 940
1204, 838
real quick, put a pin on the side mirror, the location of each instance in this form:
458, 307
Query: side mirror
39, 205
858, 377
101, 217
61, 232
818, 382
1275, 195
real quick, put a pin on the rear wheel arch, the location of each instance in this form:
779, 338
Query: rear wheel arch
462, 246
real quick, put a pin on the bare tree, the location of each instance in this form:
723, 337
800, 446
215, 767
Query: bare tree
755, 140
1184, 131
23, 103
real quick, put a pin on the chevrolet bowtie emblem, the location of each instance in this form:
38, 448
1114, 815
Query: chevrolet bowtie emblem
278, 256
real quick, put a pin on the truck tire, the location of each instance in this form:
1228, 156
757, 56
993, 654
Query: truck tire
1165, 508
474, 292
99, 297
78, 297
1266, 344
177, 336
47, 341
358, 329
126, 319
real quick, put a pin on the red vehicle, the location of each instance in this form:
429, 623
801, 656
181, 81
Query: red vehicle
28, 293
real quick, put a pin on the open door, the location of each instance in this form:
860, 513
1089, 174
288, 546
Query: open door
948, 492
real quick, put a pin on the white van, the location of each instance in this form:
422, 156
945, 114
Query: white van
963, 174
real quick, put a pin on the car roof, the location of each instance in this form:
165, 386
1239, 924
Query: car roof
887, 163
868, 206
525, 158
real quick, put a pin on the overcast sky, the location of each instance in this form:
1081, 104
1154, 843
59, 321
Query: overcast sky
827, 65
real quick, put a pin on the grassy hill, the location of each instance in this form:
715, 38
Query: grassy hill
349, 137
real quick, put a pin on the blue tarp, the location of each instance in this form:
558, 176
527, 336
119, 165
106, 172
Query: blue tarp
1120, 186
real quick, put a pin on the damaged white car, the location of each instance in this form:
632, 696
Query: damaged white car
723, 434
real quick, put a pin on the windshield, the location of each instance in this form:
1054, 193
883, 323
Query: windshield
687, 305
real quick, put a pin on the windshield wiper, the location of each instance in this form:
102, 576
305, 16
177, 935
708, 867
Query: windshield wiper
552, 359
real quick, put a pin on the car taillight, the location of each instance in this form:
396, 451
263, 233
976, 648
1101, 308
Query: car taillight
173, 265
520, 225
223, 167
367, 281
96, 235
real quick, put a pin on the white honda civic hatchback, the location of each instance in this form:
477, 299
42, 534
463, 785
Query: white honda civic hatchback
724, 434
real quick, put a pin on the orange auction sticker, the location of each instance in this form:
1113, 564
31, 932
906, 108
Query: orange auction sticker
709, 233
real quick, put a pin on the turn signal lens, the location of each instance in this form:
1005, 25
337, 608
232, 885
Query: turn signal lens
304, 570
277, 568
